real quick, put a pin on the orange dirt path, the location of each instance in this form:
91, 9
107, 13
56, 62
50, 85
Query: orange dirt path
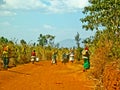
44, 76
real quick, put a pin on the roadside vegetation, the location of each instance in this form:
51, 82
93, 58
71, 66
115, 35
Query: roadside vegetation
102, 16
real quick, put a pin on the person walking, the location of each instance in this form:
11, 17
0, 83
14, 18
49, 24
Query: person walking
64, 57
71, 56
5, 56
54, 61
86, 55
33, 56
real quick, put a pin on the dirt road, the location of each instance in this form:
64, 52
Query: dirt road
44, 76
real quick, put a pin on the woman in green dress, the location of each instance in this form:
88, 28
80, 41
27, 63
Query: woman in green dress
86, 56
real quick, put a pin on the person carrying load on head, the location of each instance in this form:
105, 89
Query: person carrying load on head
85, 56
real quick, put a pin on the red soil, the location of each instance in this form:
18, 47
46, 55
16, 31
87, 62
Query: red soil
44, 76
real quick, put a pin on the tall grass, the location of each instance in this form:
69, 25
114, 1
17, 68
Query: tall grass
106, 48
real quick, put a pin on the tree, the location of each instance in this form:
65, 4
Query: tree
105, 15
79, 49
50, 39
23, 42
102, 13
88, 40
3, 40
77, 39
46, 40
42, 40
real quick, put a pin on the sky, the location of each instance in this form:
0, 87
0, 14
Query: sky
27, 19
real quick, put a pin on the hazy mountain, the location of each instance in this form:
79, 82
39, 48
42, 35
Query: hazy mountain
69, 43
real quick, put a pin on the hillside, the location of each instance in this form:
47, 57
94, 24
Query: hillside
69, 43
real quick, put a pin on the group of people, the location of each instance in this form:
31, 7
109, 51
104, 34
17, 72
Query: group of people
5, 57
65, 57
70, 57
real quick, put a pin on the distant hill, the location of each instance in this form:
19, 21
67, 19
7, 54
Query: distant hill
69, 43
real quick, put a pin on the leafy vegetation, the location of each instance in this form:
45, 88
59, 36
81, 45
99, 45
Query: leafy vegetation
103, 16
78, 49
21, 53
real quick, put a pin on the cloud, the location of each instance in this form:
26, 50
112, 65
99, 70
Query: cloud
7, 13
66, 5
22, 4
76, 3
48, 27
55, 6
